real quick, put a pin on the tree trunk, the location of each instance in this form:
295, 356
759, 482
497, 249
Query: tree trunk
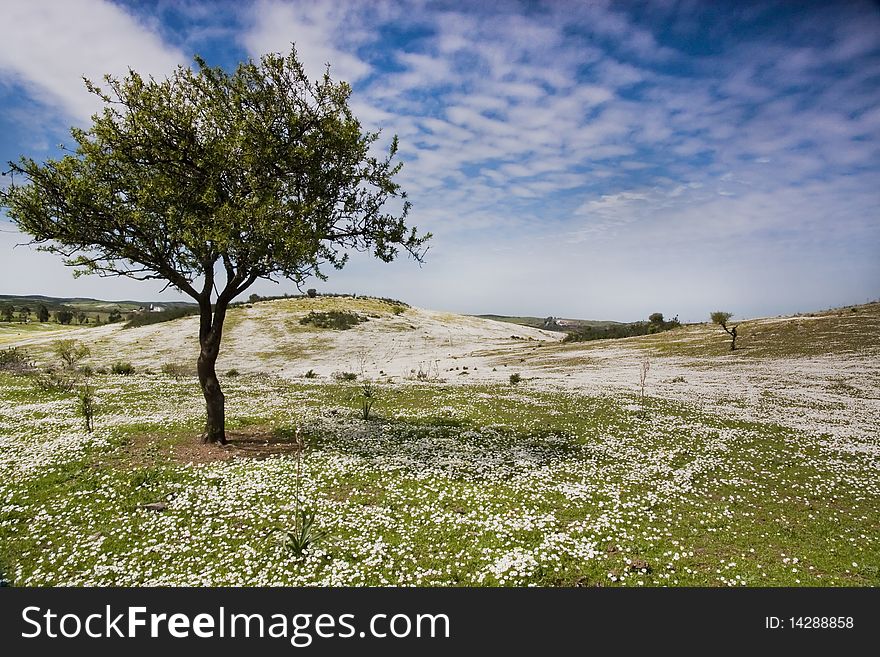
215, 424
733, 341
210, 333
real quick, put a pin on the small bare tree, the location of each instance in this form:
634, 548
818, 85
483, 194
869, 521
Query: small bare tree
722, 318
643, 377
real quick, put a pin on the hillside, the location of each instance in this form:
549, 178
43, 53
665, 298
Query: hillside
83, 303
555, 324
660, 460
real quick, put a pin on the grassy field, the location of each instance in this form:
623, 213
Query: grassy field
16, 331
466, 484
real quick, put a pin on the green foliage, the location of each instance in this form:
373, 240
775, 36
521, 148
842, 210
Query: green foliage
64, 316
311, 374
43, 314
70, 352
656, 324
340, 320
304, 533
233, 372
146, 318
368, 398
312, 293
345, 376
121, 367
721, 318
8, 313
515, 378
179, 174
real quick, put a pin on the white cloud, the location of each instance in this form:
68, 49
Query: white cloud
324, 33
48, 46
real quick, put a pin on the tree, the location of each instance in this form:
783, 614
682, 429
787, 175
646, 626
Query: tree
43, 314
8, 313
70, 352
24, 314
211, 181
81, 317
64, 316
655, 318
722, 319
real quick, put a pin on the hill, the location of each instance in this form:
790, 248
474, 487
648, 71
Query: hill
562, 324
83, 303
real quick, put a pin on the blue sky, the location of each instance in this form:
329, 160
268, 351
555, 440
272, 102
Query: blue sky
597, 160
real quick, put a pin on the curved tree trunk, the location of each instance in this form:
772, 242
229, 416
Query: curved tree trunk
215, 424
210, 332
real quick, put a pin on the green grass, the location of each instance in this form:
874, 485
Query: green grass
14, 331
485, 485
839, 332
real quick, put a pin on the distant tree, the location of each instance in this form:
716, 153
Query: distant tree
81, 317
655, 318
312, 292
254, 298
259, 173
722, 319
64, 316
24, 314
43, 314
8, 313
114, 316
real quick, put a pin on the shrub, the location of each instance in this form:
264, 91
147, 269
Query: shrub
311, 374
87, 406
121, 367
515, 378
398, 310
52, 381
312, 292
345, 376
233, 372
177, 369
334, 319
15, 360
70, 352
368, 397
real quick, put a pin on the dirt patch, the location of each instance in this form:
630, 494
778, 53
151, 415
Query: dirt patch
251, 444
257, 442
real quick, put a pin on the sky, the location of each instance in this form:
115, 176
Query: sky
593, 159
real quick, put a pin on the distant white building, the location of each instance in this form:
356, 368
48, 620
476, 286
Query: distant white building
156, 309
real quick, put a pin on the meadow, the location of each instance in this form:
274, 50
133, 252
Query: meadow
752, 468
